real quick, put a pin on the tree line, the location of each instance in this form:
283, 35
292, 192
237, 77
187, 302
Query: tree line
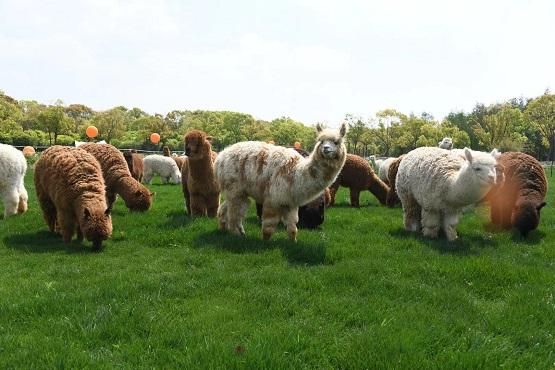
523, 124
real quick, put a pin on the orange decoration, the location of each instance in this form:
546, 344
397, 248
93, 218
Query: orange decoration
92, 131
297, 145
155, 138
28, 151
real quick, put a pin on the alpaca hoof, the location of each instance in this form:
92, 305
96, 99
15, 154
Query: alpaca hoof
430, 232
266, 235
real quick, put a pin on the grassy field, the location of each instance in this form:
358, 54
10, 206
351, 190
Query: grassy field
171, 292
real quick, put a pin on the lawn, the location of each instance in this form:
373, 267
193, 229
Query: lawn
171, 292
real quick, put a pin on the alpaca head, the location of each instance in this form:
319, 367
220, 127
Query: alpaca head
446, 143
197, 144
166, 151
140, 201
526, 215
96, 225
329, 143
175, 177
129, 159
482, 166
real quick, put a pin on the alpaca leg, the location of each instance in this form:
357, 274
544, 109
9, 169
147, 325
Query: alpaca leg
11, 202
237, 208
110, 199
67, 226
222, 216
187, 197
333, 192
355, 196
270, 220
450, 222
198, 206
48, 211
212, 203
147, 177
496, 214
79, 233
290, 218
164, 179
411, 214
430, 222
23, 198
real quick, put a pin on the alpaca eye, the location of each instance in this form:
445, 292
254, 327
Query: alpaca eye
478, 169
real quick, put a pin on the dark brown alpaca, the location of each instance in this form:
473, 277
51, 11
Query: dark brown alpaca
135, 164
71, 193
118, 178
358, 175
200, 189
517, 202
392, 198
178, 160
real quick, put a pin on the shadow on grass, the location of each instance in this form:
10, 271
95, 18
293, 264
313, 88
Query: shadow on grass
297, 253
177, 219
533, 238
44, 242
465, 245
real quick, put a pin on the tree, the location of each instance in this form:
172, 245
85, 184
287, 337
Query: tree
54, 122
80, 114
357, 127
110, 124
540, 112
500, 129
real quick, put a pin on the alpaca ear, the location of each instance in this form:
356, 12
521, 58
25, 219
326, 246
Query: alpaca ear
209, 139
152, 195
343, 129
87, 214
495, 153
540, 206
319, 127
468, 154
107, 211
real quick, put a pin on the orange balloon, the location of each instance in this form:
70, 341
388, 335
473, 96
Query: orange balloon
92, 131
155, 138
28, 151
297, 145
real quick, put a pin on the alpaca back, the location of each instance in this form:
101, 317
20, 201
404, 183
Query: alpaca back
524, 175
13, 166
113, 163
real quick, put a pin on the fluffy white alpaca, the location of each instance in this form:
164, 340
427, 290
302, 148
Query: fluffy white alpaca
446, 143
12, 172
383, 169
166, 167
278, 178
434, 185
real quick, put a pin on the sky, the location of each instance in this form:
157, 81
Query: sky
311, 60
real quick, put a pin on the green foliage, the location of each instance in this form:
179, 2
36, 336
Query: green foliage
540, 112
54, 122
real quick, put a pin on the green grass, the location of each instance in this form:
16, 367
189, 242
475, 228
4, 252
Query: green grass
171, 292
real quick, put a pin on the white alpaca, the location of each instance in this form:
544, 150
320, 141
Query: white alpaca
13, 166
446, 143
278, 178
166, 167
383, 169
434, 185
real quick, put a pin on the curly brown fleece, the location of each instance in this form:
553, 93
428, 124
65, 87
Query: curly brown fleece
200, 189
392, 198
358, 175
118, 178
135, 163
71, 193
517, 202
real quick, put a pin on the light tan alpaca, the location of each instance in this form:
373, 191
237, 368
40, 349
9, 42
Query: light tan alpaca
279, 178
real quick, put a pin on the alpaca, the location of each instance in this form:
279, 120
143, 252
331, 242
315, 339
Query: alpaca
357, 175
166, 167
200, 189
383, 169
118, 179
13, 166
279, 178
178, 160
71, 193
446, 143
135, 163
392, 198
434, 185
311, 215
518, 201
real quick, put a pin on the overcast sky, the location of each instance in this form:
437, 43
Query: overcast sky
311, 60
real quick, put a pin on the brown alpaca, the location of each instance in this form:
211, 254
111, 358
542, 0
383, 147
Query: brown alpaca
135, 163
166, 151
201, 191
71, 193
392, 198
178, 160
517, 202
118, 179
358, 175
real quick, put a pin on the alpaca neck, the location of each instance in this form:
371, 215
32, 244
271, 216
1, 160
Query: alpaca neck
316, 174
126, 187
466, 188
379, 189
200, 165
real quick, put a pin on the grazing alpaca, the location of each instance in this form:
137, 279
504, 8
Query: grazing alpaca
383, 169
13, 166
166, 167
518, 201
446, 143
135, 163
434, 185
70, 190
358, 175
392, 198
200, 189
118, 179
279, 178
